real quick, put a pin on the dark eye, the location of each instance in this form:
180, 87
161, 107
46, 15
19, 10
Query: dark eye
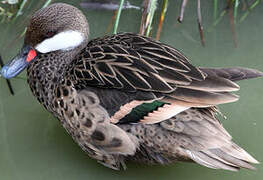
50, 34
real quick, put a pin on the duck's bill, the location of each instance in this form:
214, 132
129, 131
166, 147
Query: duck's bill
19, 63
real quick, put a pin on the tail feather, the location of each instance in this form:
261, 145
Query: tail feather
239, 153
218, 159
233, 74
203, 139
210, 162
235, 161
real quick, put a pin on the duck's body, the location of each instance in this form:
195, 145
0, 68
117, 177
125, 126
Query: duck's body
126, 96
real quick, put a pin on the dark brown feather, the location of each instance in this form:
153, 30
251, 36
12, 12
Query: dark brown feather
213, 84
203, 97
130, 63
233, 74
135, 63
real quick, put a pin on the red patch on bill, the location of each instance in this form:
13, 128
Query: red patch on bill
31, 55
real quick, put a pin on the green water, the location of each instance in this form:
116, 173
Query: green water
33, 145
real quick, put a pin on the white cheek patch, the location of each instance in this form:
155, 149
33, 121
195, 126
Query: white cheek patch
62, 41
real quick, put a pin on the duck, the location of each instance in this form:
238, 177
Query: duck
127, 97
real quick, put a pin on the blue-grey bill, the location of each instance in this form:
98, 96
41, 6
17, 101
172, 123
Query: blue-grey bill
18, 63
14, 67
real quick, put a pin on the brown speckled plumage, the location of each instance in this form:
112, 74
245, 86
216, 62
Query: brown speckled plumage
115, 96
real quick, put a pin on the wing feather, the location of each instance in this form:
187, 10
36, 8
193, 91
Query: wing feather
136, 61
133, 63
203, 97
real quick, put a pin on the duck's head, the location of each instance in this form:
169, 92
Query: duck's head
59, 27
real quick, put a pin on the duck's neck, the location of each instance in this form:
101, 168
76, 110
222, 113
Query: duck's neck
46, 73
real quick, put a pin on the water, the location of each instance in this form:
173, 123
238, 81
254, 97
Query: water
33, 145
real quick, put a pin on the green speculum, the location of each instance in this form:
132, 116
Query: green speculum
140, 111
